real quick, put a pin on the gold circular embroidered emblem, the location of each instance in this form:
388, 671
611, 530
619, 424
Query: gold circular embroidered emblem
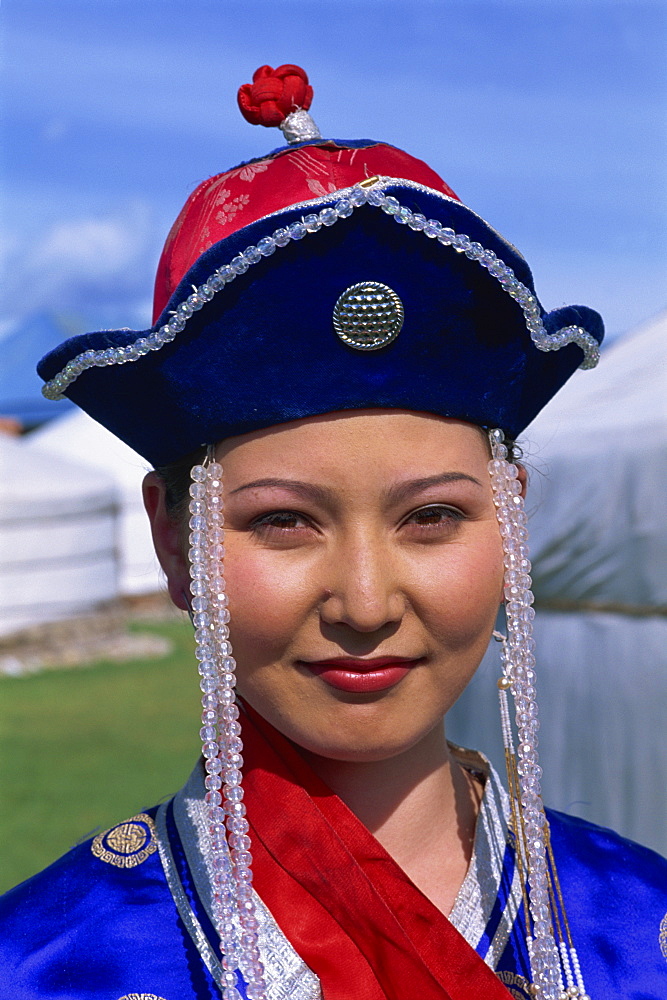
517, 986
140, 996
126, 846
368, 315
662, 937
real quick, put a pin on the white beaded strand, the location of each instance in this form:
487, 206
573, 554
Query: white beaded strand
556, 971
582, 994
221, 877
233, 905
349, 200
519, 668
567, 966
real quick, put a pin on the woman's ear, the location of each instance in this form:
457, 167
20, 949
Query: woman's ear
167, 540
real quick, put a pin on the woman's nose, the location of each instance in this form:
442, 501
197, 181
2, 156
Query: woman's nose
362, 589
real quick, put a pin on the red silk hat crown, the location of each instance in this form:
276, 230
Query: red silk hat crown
229, 201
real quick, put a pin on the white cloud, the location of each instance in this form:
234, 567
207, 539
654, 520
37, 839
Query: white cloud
78, 261
88, 248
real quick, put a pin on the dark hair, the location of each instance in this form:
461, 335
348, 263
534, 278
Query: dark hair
176, 479
176, 476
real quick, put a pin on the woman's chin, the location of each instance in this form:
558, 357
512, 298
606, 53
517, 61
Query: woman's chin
363, 727
355, 737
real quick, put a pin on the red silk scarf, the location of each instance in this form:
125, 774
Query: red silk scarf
347, 908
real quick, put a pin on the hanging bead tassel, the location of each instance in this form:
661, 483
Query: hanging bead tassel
233, 905
555, 969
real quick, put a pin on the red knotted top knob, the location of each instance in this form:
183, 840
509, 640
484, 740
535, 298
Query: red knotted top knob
273, 94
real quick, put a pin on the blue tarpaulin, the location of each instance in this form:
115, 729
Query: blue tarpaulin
20, 386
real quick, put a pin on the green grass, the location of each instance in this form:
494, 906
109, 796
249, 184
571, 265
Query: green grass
83, 748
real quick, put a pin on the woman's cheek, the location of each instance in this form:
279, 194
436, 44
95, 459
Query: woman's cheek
264, 605
465, 592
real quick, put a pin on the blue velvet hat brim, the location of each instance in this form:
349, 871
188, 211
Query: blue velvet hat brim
263, 351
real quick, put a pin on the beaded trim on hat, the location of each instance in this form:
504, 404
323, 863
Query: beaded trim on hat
556, 972
349, 199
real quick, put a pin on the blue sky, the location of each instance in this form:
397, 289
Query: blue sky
546, 116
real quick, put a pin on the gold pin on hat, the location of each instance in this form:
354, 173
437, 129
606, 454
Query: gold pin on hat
368, 315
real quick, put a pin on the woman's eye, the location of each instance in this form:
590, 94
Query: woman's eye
280, 520
435, 516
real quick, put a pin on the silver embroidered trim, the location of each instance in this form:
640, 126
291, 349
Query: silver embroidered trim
477, 896
185, 912
498, 813
298, 126
349, 199
287, 975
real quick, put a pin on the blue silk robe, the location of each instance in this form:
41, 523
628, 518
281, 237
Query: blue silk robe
125, 916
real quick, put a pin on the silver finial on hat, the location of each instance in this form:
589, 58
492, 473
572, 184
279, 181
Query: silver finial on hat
299, 126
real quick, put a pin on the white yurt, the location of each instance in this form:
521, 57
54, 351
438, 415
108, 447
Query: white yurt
78, 437
58, 522
597, 459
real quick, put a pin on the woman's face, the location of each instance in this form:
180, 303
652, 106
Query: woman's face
352, 538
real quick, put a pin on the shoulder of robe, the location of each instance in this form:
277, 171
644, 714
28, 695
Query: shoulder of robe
615, 895
606, 855
85, 923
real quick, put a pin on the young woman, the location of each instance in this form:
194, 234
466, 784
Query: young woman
358, 353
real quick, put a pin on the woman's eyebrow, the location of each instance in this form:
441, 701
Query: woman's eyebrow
403, 491
308, 491
320, 494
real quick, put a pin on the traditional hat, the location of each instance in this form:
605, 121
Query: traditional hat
328, 275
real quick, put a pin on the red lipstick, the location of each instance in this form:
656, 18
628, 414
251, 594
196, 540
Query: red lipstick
362, 676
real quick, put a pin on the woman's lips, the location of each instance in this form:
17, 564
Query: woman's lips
362, 676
